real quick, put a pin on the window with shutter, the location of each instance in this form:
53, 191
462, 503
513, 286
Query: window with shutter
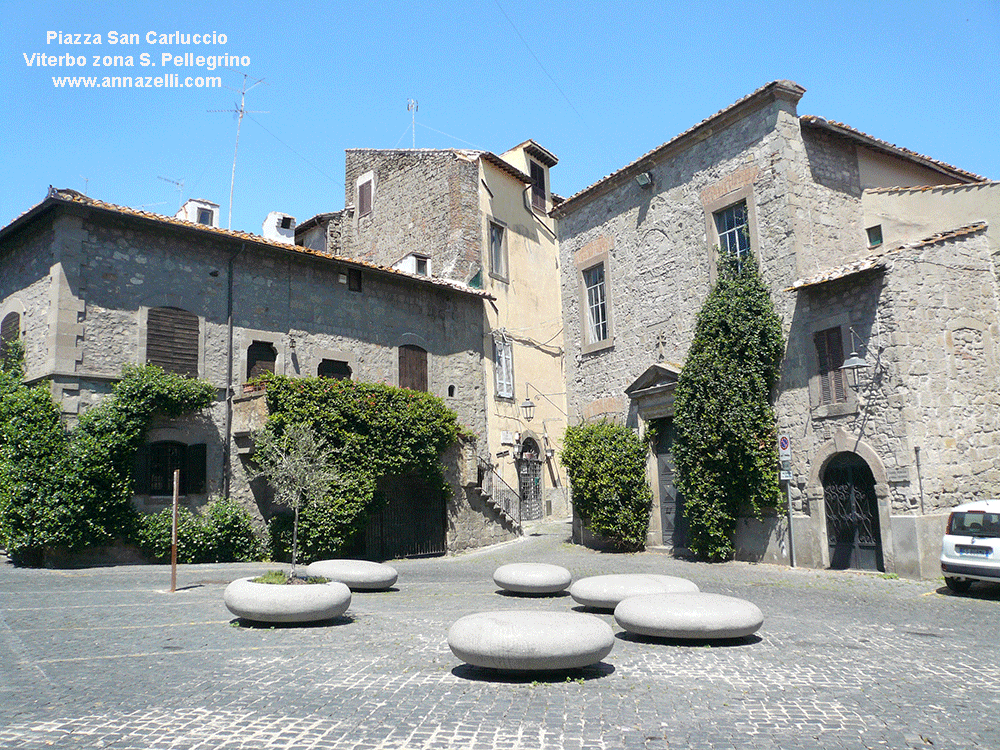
537, 186
503, 366
365, 198
830, 353
412, 368
498, 252
261, 358
172, 340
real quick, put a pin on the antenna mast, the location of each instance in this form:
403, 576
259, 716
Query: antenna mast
180, 189
239, 111
411, 105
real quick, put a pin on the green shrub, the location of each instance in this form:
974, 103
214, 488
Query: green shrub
725, 451
223, 533
606, 464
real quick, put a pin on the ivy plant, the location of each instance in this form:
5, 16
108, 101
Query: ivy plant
72, 489
606, 464
725, 450
371, 430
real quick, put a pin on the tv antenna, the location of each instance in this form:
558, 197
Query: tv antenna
239, 112
411, 106
180, 189
86, 183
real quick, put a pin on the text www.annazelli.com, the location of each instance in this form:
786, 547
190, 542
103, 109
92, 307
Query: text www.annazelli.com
168, 81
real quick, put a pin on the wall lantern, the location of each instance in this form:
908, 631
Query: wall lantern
528, 409
855, 361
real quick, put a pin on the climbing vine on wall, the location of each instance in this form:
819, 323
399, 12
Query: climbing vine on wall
725, 449
72, 489
372, 430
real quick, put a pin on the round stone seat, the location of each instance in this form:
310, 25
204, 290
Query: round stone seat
605, 592
692, 616
359, 575
270, 602
526, 641
532, 578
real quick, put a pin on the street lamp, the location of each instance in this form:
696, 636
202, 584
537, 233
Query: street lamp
528, 409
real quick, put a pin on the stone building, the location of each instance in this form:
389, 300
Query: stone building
90, 286
861, 273
476, 218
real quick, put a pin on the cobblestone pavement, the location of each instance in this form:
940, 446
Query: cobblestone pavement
107, 658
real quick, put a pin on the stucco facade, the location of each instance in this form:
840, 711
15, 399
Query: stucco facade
651, 233
84, 277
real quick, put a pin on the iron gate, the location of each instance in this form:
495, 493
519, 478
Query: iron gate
529, 481
852, 525
412, 523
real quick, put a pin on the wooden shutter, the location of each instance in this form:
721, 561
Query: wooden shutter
193, 474
365, 198
537, 186
412, 368
172, 340
261, 358
830, 352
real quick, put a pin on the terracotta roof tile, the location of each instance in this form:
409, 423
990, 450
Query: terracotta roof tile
72, 196
933, 188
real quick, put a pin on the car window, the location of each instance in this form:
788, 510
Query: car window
974, 523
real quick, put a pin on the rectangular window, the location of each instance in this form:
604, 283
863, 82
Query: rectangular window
205, 216
537, 186
498, 252
421, 267
365, 198
733, 227
830, 353
597, 317
503, 366
354, 279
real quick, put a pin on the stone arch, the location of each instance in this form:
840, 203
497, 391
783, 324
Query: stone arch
844, 442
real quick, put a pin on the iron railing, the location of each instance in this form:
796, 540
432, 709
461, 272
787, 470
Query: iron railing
500, 494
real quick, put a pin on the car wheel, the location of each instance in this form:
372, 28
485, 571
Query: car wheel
958, 585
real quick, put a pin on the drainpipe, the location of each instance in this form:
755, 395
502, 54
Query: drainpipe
226, 452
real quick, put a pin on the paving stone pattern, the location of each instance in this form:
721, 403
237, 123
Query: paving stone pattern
106, 658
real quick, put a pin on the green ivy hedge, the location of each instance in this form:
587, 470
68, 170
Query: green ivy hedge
606, 464
223, 532
725, 451
374, 430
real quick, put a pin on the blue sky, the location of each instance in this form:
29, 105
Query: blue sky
597, 83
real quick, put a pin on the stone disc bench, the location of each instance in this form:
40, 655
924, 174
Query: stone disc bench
359, 575
605, 592
269, 602
527, 641
532, 578
692, 616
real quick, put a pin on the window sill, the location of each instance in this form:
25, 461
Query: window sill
600, 346
834, 410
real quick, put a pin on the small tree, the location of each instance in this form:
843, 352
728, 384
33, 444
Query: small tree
725, 450
298, 465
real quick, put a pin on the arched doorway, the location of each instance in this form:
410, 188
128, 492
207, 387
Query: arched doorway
529, 480
852, 520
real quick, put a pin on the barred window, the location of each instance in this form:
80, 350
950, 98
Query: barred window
154, 465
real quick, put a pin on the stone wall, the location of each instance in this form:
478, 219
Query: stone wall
422, 202
25, 289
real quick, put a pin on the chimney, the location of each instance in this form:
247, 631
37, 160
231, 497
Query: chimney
279, 227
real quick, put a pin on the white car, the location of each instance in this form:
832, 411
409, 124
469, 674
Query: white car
970, 550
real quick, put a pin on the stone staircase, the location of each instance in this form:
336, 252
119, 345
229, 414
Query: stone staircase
499, 495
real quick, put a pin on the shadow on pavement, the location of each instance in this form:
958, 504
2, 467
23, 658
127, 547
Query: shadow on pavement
582, 674
239, 622
748, 640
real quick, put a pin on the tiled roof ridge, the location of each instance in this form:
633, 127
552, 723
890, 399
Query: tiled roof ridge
791, 85
878, 260
891, 147
929, 188
73, 196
